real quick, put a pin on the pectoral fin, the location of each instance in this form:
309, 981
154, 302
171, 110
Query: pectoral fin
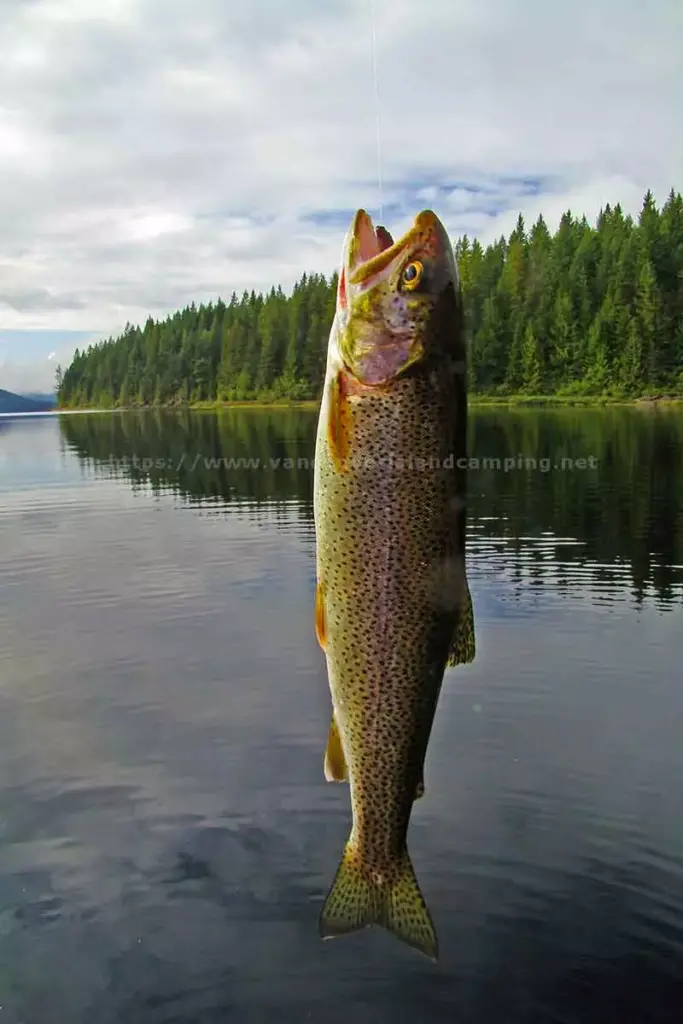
335, 762
463, 646
338, 422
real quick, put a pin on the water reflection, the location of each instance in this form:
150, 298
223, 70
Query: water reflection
166, 833
613, 520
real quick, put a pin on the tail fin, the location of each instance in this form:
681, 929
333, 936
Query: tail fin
357, 900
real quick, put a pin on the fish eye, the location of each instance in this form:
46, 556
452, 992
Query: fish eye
412, 274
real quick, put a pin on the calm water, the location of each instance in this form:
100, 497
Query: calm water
166, 833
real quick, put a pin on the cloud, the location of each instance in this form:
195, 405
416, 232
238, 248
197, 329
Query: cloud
27, 371
148, 159
22, 378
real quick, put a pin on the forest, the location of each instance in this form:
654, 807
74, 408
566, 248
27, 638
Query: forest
591, 310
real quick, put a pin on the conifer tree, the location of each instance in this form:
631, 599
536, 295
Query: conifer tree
588, 309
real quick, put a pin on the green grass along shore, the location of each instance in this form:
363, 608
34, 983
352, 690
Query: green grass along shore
474, 401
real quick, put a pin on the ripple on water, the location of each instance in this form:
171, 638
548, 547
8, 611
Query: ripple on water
166, 834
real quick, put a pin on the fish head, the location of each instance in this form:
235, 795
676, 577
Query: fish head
398, 303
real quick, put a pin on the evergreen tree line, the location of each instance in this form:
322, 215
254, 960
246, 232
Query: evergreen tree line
590, 310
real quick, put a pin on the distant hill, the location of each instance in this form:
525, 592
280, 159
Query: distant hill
18, 403
42, 397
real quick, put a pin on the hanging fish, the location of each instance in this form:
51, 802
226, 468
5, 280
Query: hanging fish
392, 607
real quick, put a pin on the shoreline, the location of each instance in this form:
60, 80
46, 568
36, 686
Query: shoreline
474, 401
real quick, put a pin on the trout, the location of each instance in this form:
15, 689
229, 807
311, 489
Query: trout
392, 604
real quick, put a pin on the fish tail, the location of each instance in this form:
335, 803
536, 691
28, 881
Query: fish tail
358, 899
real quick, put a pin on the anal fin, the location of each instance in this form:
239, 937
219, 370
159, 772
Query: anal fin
320, 615
335, 762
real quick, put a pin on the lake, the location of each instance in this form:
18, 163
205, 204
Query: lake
166, 833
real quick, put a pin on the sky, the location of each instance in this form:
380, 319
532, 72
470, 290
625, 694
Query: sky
155, 152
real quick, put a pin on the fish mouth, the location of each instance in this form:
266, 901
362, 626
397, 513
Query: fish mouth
372, 249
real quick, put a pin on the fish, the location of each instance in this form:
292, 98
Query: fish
393, 607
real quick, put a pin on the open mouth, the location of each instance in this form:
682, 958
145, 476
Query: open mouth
370, 241
371, 249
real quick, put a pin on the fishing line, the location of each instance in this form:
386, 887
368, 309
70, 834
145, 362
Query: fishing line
378, 129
